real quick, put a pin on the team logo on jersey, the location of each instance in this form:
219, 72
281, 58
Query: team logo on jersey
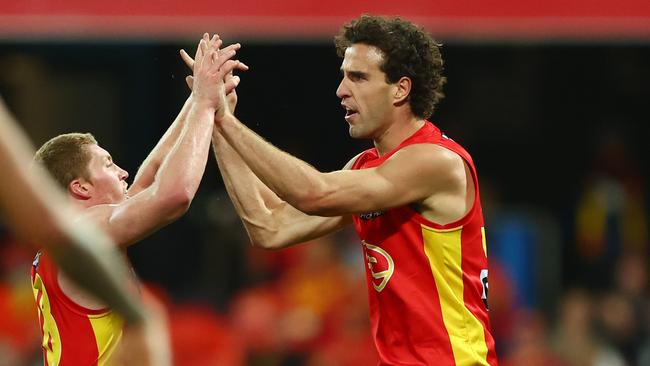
370, 215
380, 264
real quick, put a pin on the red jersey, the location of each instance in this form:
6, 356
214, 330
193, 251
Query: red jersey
427, 283
72, 334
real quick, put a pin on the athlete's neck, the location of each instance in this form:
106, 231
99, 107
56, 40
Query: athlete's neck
396, 134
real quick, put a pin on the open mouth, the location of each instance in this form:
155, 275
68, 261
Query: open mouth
349, 113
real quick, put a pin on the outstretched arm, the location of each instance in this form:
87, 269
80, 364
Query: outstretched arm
177, 180
147, 171
271, 223
420, 173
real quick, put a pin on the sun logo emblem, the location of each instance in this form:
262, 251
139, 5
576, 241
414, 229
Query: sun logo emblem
380, 264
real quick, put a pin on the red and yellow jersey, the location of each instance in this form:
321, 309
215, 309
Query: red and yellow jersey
427, 283
72, 334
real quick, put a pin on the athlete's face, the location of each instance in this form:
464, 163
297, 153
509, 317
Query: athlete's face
364, 92
107, 180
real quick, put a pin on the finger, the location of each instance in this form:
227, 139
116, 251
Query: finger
231, 83
214, 56
214, 42
228, 80
223, 58
216, 45
187, 59
190, 81
228, 66
232, 47
210, 60
215, 38
208, 42
242, 66
204, 52
199, 53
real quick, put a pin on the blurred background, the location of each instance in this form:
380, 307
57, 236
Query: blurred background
551, 99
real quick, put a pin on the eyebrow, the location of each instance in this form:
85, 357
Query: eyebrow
356, 74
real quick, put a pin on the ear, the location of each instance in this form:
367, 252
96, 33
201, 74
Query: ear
80, 189
402, 90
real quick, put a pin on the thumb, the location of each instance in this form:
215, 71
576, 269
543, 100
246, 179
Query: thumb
190, 81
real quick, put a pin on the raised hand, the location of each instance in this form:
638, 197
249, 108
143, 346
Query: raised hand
210, 69
230, 82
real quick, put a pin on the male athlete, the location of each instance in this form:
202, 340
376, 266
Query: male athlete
27, 196
413, 198
77, 328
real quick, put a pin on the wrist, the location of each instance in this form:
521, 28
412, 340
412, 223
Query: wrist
202, 104
224, 118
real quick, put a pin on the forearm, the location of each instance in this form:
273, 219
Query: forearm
292, 179
147, 171
252, 200
182, 169
270, 222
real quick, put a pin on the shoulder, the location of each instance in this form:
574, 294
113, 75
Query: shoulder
434, 167
99, 214
427, 156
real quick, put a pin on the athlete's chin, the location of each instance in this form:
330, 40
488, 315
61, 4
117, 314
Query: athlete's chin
357, 133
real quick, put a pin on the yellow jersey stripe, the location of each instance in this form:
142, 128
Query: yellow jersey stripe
483, 240
104, 326
51, 337
466, 333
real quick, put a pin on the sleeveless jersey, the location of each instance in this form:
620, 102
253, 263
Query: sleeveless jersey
72, 334
427, 283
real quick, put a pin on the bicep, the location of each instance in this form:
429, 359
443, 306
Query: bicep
411, 175
133, 219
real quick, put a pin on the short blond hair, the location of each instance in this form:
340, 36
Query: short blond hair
66, 157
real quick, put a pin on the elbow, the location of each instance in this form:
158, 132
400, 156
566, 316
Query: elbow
265, 237
177, 203
181, 201
264, 244
264, 241
311, 207
317, 206
313, 202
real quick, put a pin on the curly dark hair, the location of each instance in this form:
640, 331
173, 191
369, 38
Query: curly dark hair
408, 50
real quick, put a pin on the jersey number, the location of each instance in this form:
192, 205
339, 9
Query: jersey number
484, 281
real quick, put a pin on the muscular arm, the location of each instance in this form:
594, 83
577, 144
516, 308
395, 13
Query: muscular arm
179, 175
147, 171
28, 195
270, 222
414, 174
172, 189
